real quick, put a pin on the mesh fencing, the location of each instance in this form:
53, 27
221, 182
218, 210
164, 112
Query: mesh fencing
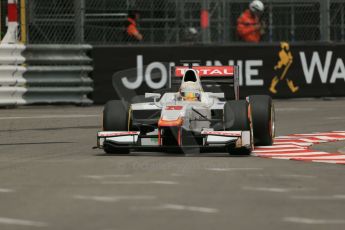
337, 20
101, 22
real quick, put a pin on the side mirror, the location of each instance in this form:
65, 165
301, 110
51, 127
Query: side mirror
155, 96
217, 95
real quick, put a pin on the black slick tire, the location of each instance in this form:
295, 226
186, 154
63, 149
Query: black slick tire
237, 118
263, 119
115, 118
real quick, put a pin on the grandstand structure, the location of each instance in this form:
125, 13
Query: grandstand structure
100, 22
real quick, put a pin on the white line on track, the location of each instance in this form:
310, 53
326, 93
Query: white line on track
330, 161
48, 117
176, 174
332, 197
232, 169
320, 158
297, 176
6, 190
160, 182
280, 146
113, 198
335, 118
290, 154
279, 150
178, 207
292, 109
27, 223
269, 189
101, 177
299, 220
304, 144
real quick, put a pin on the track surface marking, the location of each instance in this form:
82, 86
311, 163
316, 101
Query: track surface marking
297, 147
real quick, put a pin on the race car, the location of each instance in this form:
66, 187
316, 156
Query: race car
190, 118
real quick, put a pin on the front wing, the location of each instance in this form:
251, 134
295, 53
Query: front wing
134, 140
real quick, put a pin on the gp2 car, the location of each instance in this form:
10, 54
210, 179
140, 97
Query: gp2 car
190, 118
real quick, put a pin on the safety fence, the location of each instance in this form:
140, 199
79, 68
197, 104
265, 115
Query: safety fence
100, 22
45, 74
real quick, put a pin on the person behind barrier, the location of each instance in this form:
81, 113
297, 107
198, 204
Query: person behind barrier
250, 28
131, 33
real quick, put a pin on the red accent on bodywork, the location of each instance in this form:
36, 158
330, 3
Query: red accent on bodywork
173, 123
159, 137
207, 71
174, 107
179, 136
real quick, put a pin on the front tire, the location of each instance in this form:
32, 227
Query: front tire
263, 119
237, 117
115, 118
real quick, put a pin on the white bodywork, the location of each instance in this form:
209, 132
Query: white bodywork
196, 116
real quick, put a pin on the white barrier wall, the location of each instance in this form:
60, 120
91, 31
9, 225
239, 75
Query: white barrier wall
12, 83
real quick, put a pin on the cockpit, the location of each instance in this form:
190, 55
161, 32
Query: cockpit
190, 89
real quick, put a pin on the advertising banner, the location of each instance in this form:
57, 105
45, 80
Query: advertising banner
281, 70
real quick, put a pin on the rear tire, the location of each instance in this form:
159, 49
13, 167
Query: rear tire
115, 118
263, 119
237, 117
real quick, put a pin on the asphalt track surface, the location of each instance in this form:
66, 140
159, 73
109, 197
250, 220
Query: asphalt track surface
50, 178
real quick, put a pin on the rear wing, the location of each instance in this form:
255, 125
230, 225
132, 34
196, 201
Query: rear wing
209, 75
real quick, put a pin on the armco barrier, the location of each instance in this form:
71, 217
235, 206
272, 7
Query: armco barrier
58, 74
282, 70
11, 74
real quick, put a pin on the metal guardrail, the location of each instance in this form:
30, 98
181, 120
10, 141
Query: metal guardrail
58, 74
11, 74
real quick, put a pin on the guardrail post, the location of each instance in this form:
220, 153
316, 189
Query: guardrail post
325, 20
79, 6
11, 36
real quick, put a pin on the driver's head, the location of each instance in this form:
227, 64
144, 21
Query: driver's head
257, 7
190, 91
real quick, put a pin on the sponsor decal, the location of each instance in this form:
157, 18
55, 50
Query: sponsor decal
284, 64
248, 74
174, 107
301, 70
207, 71
323, 69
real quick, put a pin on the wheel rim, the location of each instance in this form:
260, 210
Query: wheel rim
251, 130
272, 123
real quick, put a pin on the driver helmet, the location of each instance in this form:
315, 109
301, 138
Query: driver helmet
190, 91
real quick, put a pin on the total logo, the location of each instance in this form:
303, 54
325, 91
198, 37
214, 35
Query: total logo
249, 75
211, 71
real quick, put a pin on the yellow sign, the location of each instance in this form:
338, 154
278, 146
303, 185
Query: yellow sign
285, 62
